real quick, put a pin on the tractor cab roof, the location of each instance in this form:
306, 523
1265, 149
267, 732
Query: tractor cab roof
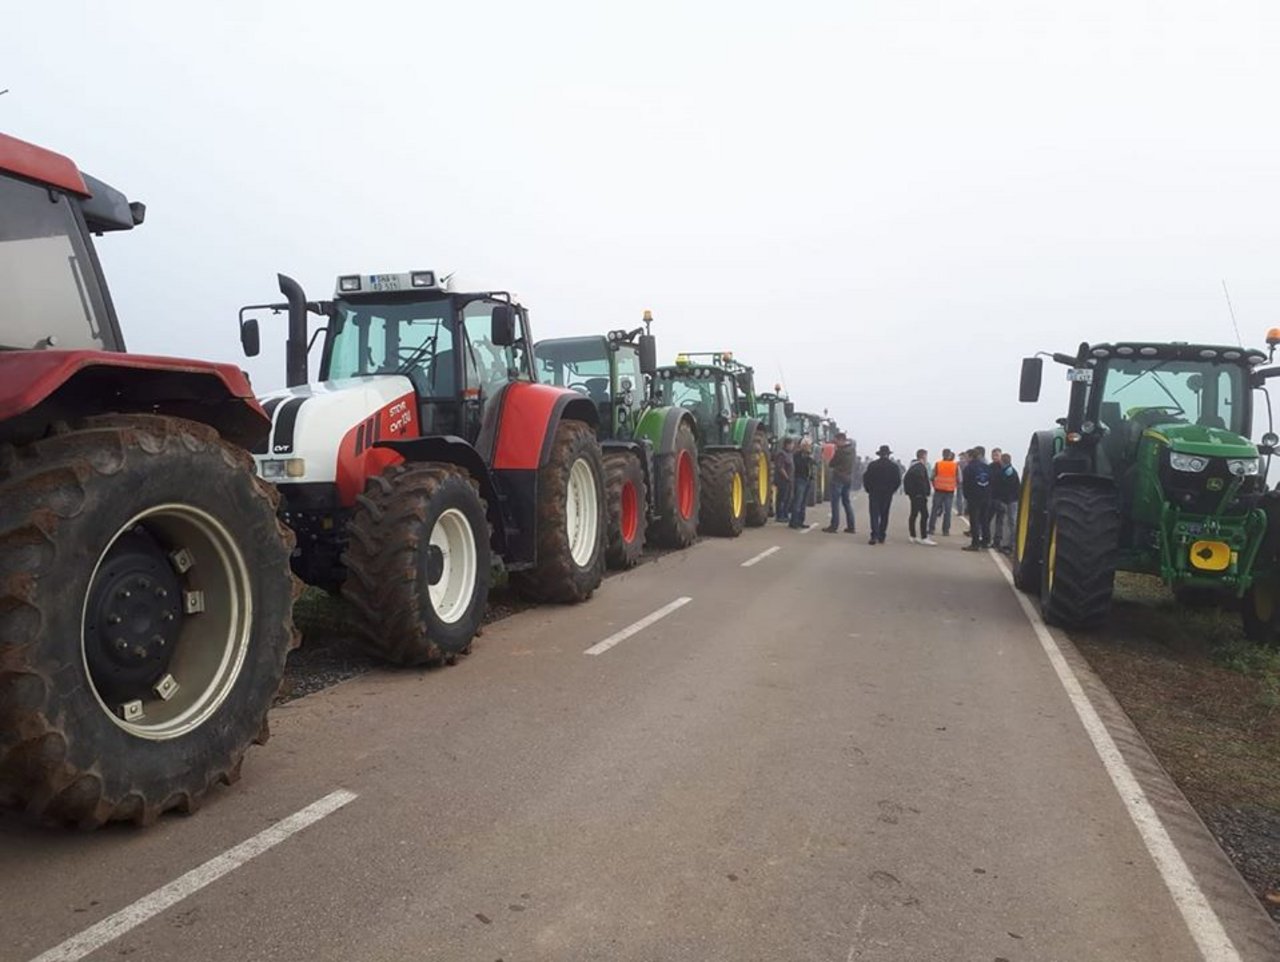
568, 349
1174, 351
104, 207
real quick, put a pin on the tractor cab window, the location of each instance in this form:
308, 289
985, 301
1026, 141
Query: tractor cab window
1139, 394
691, 393
49, 295
725, 398
488, 366
629, 373
411, 338
578, 363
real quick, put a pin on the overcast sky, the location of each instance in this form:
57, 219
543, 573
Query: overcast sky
886, 204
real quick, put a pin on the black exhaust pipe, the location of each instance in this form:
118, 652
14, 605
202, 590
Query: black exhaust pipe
295, 358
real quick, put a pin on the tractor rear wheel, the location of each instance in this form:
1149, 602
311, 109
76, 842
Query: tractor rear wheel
418, 563
675, 475
571, 520
759, 478
627, 496
1079, 568
146, 610
1028, 540
723, 494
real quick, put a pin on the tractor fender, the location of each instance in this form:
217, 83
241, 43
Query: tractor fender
642, 448
744, 432
660, 426
38, 388
520, 423
454, 450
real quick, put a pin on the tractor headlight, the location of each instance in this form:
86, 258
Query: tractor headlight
1191, 463
1243, 467
277, 468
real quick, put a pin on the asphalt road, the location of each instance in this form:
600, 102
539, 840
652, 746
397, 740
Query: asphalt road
840, 752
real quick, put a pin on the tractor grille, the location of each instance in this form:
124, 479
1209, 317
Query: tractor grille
1201, 493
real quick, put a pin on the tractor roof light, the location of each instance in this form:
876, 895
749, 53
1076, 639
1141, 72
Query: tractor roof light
682, 360
1273, 337
349, 284
422, 279
647, 317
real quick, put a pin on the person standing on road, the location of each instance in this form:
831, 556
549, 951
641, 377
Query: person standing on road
802, 476
881, 481
945, 477
977, 495
960, 463
783, 469
841, 467
1005, 490
915, 485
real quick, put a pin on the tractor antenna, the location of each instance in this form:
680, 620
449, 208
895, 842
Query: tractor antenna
1232, 311
782, 377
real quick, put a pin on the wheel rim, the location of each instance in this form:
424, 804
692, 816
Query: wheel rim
582, 512
762, 478
166, 622
684, 484
1024, 513
737, 494
455, 543
630, 512
1051, 562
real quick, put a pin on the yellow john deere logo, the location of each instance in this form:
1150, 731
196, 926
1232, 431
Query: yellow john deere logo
1210, 555
1214, 484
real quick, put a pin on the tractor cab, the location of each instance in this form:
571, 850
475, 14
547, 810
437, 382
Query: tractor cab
611, 370
776, 410
708, 390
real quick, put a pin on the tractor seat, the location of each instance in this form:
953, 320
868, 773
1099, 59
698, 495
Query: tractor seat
597, 389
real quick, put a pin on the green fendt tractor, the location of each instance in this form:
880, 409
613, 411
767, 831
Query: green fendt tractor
1152, 470
734, 448
650, 449
775, 410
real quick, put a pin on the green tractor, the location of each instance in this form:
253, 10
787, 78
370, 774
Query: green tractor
650, 449
809, 426
1152, 471
734, 462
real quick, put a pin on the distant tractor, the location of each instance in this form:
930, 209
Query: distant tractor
427, 450
650, 450
1152, 471
810, 426
145, 595
734, 463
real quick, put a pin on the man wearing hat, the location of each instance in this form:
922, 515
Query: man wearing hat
881, 481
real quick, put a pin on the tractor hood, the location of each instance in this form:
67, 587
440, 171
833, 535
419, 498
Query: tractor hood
1204, 441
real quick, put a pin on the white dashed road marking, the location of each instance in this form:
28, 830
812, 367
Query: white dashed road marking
761, 556
619, 636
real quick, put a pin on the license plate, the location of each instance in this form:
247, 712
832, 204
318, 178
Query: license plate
384, 282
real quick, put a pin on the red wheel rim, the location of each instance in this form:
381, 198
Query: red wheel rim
630, 513
684, 485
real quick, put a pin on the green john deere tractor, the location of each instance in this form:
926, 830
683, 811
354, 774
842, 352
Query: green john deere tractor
1151, 470
734, 448
650, 449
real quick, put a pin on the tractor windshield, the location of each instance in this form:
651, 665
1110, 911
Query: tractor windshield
48, 293
578, 363
1153, 391
414, 338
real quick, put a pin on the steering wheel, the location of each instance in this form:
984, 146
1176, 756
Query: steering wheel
580, 388
1150, 413
408, 357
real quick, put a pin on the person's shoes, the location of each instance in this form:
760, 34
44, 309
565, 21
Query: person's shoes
971, 547
946, 534
794, 527
872, 541
930, 542
912, 539
850, 530
831, 529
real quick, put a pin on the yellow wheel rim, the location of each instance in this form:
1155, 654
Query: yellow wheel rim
1052, 560
1024, 512
762, 478
737, 495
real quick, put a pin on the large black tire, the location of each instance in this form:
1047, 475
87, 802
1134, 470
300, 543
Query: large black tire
723, 494
557, 575
1260, 611
676, 523
159, 518
1082, 549
759, 480
1032, 520
626, 494
391, 567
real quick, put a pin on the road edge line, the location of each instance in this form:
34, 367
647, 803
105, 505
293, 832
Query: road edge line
1203, 924
152, 904
600, 647
761, 556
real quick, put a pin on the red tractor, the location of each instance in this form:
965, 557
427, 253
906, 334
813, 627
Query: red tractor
426, 451
145, 593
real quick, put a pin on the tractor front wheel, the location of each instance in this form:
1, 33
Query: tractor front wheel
723, 494
1079, 567
675, 475
418, 563
571, 520
145, 616
759, 480
1028, 539
625, 491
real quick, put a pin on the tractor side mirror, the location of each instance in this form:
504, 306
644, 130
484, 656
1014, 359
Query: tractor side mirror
648, 350
250, 337
1270, 441
789, 408
1032, 374
503, 333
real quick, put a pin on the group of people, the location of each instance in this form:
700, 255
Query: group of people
985, 491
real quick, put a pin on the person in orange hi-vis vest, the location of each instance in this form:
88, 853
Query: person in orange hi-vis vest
946, 478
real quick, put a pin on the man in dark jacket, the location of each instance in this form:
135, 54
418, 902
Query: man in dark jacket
841, 467
977, 497
802, 478
783, 468
1005, 489
916, 486
881, 481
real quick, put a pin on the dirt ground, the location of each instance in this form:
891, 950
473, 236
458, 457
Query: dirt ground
1208, 703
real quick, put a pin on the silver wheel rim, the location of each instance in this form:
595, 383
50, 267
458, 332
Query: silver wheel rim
582, 512
215, 633
451, 595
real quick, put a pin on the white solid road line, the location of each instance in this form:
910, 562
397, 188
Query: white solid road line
1203, 923
619, 636
809, 527
761, 556
149, 906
